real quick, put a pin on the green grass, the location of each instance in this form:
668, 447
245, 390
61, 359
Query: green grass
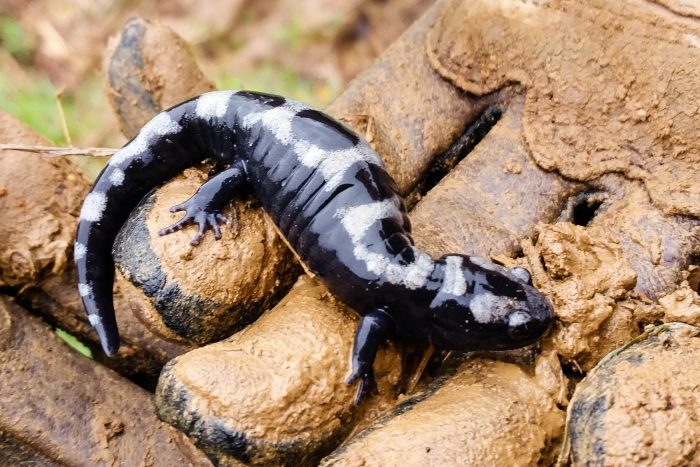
270, 77
15, 40
33, 101
73, 342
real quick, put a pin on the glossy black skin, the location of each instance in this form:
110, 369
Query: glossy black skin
262, 156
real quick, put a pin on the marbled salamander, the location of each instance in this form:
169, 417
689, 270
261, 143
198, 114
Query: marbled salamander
331, 197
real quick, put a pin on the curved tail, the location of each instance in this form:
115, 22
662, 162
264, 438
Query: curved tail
172, 141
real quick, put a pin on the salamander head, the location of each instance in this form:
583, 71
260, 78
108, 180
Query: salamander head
484, 306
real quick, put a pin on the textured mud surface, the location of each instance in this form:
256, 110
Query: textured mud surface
608, 253
280, 409
49, 412
291, 403
468, 410
40, 200
612, 87
36, 238
586, 175
204, 293
138, 65
641, 405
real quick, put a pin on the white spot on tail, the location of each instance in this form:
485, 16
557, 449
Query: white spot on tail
93, 207
116, 177
453, 283
160, 125
489, 308
213, 104
79, 251
94, 320
84, 290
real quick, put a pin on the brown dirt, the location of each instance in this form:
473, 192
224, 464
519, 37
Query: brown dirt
42, 196
209, 291
611, 87
483, 207
467, 411
194, 391
149, 68
59, 405
404, 109
640, 405
38, 239
682, 305
290, 401
658, 247
588, 281
279, 382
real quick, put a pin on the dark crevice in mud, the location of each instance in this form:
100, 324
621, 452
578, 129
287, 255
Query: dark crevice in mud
582, 208
694, 275
458, 150
136, 369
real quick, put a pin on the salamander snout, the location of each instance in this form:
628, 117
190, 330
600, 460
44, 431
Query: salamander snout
524, 327
528, 324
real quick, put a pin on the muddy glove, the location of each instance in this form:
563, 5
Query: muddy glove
276, 390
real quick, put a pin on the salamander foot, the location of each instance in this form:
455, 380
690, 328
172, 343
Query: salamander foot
368, 383
196, 215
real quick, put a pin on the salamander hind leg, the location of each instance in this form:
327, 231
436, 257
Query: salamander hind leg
205, 206
374, 329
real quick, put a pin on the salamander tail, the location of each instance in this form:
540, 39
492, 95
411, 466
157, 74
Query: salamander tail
164, 147
95, 281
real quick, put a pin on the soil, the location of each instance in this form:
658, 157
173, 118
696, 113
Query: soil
601, 96
640, 404
599, 109
38, 240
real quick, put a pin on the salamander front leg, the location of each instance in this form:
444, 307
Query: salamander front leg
374, 329
204, 207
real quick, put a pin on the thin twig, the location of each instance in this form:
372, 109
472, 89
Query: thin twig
54, 151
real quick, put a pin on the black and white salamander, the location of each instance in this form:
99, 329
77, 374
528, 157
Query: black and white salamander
332, 199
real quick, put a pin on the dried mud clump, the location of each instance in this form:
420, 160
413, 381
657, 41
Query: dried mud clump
60, 408
588, 279
149, 68
465, 416
41, 195
203, 293
275, 392
641, 404
611, 86
40, 199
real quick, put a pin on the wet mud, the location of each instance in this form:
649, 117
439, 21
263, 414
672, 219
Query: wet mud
60, 406
40, 202
587, 177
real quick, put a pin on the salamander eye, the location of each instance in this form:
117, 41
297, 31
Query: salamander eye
522, 274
